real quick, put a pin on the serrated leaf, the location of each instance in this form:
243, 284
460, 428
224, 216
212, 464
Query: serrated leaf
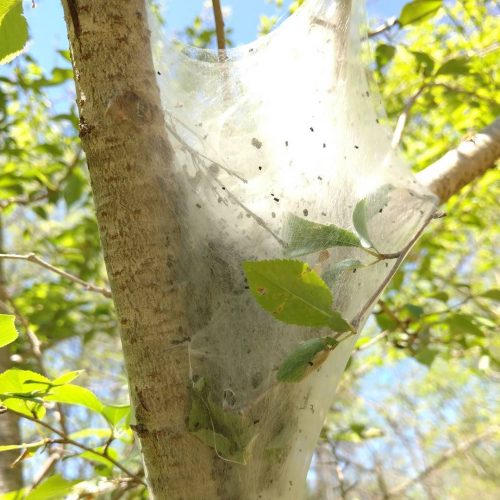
8, 332
307, 357
456, 66
304, 237
76, 395
418, 11
13, 30
366, 209
293, 293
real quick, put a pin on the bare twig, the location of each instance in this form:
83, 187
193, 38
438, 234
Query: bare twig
68, 440
447, 456
359, 317
403, 117
31, 257
371, 342
390, 23
47, 467
8, 305
219, 25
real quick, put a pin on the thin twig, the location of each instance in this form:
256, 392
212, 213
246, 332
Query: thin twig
31, 257
371, 342
357, 319
68, 440
448, 455
219, 25
10, 307
403, 117
47, 466
390, 23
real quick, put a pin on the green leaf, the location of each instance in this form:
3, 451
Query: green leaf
8, 332
366, 209
13, 30
208, 421
425, 63
76, 395
456, 66
99, 457
293, 293
53, 488
332, 274
304, 237
414, 311
386, 322
419, 10
22, 391
384, 54
115, 413
68, 377
426, 356
74, 188
217, 441
463, 323
441, 296
304, 359
94, 432
493, 294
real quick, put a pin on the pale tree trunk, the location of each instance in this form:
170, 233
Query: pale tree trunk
128, 154
130, 163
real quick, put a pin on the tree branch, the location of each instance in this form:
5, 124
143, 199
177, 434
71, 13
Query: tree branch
403, 117
31, 257
219, 25
460, 166
67, 440
390, 23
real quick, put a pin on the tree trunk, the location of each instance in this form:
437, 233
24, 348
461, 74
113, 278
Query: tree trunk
128, 154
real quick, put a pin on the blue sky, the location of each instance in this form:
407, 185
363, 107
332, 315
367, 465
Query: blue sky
48, 33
